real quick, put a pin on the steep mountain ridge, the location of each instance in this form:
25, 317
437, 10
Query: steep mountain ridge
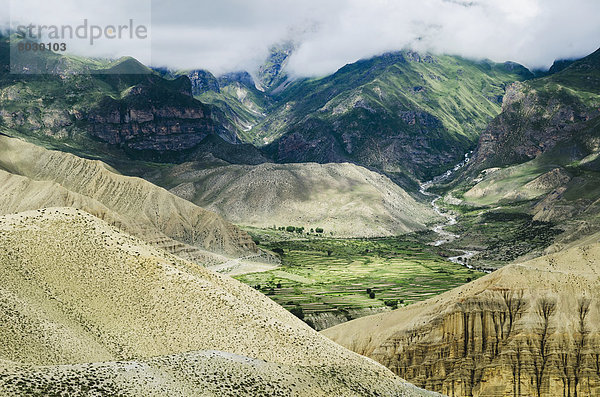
422, 113
119, 107
540, 155
538, 114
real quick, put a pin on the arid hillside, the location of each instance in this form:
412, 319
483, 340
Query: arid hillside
76, 291
345, 199
33, 178
529, 329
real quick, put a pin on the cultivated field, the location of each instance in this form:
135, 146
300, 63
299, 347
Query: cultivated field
343, 277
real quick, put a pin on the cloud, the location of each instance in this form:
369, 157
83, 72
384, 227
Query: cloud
228, 35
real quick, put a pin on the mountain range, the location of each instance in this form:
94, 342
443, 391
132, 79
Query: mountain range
126, 190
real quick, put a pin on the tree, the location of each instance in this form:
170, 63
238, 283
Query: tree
372, 295
290, 229
515, 305
319, 230
391, 303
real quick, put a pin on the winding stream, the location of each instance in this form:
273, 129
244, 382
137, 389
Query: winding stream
446, 236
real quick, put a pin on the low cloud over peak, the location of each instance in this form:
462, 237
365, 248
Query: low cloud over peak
228, 35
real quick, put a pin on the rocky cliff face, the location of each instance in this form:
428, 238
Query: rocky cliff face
530, 124
524, 330
541, 153
127, 105
538, 114
203, 81
150, 120
479, 349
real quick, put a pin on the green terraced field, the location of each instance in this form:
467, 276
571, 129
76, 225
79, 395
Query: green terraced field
332, 275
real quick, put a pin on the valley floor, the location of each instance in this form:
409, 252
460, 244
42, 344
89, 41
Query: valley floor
327, 281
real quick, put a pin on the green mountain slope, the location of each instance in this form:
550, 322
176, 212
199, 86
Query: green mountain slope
401, 113
116, 109
239, 105
538, 114
272, 75
538, 160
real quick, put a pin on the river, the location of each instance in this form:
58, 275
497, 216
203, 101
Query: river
444, 235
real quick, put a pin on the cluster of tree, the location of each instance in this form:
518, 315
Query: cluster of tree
393, 303
299, 229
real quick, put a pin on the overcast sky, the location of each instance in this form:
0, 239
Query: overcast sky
228, 35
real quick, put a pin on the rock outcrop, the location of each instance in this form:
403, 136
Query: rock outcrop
150, 117
537, 115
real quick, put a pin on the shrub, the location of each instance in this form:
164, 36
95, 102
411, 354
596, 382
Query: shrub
298, 312
391, 303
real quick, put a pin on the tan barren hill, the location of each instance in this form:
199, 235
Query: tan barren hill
530, 329
345, 199
88, 310
32, 177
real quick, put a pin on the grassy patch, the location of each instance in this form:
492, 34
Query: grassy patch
322, 275
502, 236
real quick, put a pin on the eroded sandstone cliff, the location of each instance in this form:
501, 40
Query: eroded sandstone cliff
525, 330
